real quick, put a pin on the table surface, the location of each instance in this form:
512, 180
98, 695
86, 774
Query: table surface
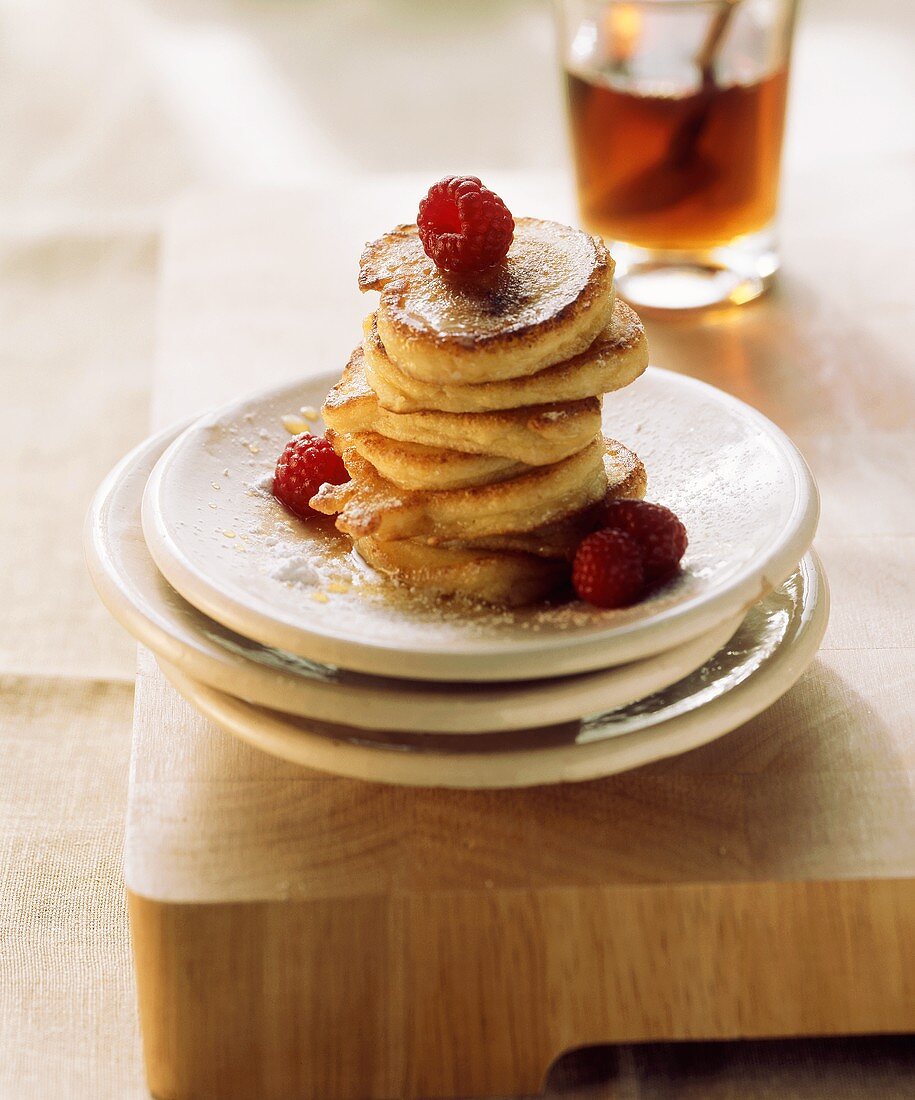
148, 105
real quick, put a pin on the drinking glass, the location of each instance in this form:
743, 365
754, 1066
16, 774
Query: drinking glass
676, 111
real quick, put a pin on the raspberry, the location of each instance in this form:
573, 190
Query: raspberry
655, 528
464, 226
607, 570
307, 462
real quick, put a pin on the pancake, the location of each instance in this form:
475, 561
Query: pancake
547, 301
626, 480
510, 570
510, 580
415, 466
537, 435
371, 505
617, 357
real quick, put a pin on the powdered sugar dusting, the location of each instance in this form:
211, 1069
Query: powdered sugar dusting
295, 569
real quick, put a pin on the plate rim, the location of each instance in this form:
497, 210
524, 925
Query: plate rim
116, 590
577, 762
566, 652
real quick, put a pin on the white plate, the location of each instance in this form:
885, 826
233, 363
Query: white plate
142, 601
776, 642
218, 536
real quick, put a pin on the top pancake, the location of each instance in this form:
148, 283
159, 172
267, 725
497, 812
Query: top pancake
616, 358
546, 302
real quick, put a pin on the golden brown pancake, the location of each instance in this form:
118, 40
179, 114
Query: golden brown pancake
498, 578
511, 570
538, 435
617, 357
415, 466
371, 505
626, 480
548, 301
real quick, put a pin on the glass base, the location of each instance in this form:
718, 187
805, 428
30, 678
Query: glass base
654, 279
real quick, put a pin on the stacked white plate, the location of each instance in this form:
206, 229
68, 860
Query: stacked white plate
279, 634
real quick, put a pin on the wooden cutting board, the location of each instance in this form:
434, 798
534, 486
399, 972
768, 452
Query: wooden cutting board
298, 935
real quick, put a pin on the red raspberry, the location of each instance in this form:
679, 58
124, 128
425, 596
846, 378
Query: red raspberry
307, 462
607, 570
655, 528
464, 226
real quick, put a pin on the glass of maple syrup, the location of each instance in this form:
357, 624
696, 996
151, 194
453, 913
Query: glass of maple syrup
676, 112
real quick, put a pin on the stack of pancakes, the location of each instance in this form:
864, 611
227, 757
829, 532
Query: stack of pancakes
469, 419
